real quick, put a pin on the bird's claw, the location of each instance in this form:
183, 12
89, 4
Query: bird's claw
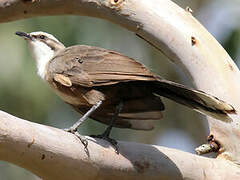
82, 139
79, 136
113, 142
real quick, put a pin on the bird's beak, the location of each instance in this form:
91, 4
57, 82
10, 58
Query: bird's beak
24, 35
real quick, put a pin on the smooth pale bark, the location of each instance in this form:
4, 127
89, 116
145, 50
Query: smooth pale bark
52, 153
186, 42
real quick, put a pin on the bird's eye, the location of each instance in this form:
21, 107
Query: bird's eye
42, 37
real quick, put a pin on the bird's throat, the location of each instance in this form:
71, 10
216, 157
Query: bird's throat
42, 55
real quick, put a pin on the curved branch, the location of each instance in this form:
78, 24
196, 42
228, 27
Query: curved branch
52, 153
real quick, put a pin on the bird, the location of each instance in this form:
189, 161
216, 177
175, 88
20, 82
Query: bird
112, 88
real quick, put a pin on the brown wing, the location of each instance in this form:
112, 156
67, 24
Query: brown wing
92, 66
96, 68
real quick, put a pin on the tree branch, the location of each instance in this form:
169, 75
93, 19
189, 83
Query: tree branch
52, 153
187, 43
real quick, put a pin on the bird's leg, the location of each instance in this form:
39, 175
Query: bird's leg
106, 133
73, 128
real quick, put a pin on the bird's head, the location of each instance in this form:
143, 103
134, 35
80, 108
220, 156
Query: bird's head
41, 44
43, 47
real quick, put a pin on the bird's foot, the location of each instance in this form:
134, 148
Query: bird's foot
113, 142
79, 136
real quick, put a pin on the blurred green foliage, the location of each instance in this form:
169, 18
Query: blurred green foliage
231, 44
